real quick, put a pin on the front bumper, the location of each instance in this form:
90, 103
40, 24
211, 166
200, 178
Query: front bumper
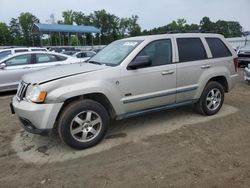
247, 74
36, 118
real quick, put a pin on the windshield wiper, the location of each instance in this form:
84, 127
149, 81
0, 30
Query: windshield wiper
95, 62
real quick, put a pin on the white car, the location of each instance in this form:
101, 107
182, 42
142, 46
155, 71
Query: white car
10, 51
13, 67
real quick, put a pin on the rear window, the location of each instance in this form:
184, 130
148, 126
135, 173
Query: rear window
191, 49
218, 48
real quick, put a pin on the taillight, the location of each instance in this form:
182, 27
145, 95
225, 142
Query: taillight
236, 64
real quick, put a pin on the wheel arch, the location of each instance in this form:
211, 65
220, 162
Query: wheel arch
98, 97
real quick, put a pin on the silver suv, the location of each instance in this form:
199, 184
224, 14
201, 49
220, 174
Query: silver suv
129, 77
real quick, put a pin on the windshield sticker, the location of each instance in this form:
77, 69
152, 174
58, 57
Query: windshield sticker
130, 43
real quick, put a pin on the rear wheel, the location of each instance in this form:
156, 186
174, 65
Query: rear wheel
83, 124
211, 99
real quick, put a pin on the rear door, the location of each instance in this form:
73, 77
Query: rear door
193, 62
15, 68
43, 60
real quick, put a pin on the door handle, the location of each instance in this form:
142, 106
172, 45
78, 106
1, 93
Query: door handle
26, 67
205, 66
167, 72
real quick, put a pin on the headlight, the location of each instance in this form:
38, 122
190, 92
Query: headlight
36, 95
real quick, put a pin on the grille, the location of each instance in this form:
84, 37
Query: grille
21, 90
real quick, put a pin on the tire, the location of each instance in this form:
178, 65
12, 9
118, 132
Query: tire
83, 124
211, 100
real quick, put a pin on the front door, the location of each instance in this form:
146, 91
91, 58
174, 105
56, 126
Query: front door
15, 68
151, 86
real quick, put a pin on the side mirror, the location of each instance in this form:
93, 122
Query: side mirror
2, 65
140, 62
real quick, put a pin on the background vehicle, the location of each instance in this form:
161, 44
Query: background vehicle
10, 51
244, 56
129, 77
247, 73
12, 68
84, 55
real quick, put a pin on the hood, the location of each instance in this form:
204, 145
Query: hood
58, 72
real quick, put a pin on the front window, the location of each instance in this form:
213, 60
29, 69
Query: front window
115, 53
19, 60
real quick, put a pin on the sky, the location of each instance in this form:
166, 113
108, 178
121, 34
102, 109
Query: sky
152, 13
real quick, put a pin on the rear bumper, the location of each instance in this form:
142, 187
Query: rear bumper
36, 118
247, 74
232, 82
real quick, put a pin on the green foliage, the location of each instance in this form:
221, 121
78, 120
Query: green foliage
26, 21
5, 34
112, 27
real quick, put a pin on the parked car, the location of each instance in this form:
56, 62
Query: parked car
62, 49
84, 55
10, 51
244, 56
12, 68
247, 73
130, 77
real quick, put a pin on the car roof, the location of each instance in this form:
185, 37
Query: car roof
34, 52
21, 48
160, 36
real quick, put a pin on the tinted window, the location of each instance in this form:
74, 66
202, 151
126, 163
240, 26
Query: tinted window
191, 49
19, 60
4, 53
80, 55
21, 50
160, 52
61, 58
45, 58
218, 48
35, 50
90, 54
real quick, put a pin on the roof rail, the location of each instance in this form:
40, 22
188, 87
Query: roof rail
183, 31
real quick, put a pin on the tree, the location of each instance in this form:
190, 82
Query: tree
68, 17
26, 21
206, 25
228, 29
81, 19
15, 30
134, 28
107, 23
5, 34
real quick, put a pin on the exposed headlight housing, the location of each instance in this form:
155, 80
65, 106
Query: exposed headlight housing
36, 95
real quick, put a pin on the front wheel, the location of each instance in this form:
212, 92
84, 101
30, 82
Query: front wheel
83, 124
211, 99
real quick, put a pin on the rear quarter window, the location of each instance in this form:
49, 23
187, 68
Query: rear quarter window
218, 48
191, 49
61, 58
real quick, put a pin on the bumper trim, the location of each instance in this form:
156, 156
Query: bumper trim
29, 127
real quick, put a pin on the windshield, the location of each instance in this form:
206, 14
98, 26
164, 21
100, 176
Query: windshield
115, 53
4, 54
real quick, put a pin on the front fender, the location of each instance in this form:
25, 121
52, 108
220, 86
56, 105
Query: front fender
110, 90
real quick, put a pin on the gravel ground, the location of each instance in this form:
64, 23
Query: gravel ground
174, 148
